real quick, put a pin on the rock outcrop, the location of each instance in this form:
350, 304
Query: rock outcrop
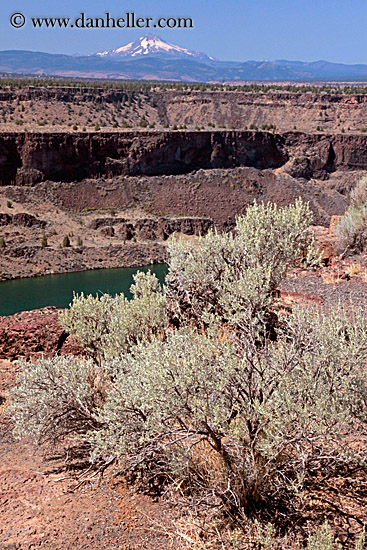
32, 334
27, 158
152, 229
22, 219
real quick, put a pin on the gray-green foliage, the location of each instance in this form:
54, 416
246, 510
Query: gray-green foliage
56, 397
233, 276
361, 541
238, 419
323, 539
264, 418
107, 325
352, 229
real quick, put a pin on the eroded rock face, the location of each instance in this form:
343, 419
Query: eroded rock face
152, 229
32, 334
26, 159
22, 219
223, 108
317, 155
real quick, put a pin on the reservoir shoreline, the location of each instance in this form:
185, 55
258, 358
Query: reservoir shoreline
56, 290
29, 262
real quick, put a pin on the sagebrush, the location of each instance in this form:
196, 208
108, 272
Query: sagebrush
352, 229
186, 388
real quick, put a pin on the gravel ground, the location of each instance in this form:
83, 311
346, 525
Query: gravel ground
347, 292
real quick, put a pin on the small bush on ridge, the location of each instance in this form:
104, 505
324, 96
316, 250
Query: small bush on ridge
352, 230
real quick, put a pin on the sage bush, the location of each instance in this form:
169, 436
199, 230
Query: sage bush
107, 325
352, 230
211, 404
57, 397
244, 430
233, 277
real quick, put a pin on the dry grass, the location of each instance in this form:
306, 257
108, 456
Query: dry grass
331, 277
354, 269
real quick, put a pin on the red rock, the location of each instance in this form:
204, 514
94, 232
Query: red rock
33, 334
325, 240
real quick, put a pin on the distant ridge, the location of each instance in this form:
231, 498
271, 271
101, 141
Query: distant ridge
151, 58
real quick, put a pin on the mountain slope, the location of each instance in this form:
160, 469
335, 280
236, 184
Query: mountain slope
151, 44
151, 58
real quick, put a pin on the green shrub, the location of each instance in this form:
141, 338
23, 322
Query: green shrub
352, 230
233, 277
56, 397
66, 241
2, 242
44, 241
323, 539
106, 325
245, 430
79, 240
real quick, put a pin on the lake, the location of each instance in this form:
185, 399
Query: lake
57, 290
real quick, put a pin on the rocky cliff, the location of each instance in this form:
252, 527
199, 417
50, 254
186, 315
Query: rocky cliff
28, 158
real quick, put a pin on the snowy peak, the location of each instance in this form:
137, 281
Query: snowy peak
153, 45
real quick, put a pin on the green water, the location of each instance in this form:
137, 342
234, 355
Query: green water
57, 290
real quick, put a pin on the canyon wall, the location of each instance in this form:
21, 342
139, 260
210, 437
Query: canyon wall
305, 111
29, 158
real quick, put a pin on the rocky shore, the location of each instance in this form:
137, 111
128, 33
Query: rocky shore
28, 261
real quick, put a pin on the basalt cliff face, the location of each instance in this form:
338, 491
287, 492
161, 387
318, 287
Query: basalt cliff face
29, 158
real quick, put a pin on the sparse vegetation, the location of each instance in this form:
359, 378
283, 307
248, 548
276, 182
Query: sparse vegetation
66, 241
352, 230
204, 388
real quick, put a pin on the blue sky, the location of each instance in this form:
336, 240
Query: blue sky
334, 30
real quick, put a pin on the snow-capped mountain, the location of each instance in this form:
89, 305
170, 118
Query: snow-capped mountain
152, 45
151, 58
